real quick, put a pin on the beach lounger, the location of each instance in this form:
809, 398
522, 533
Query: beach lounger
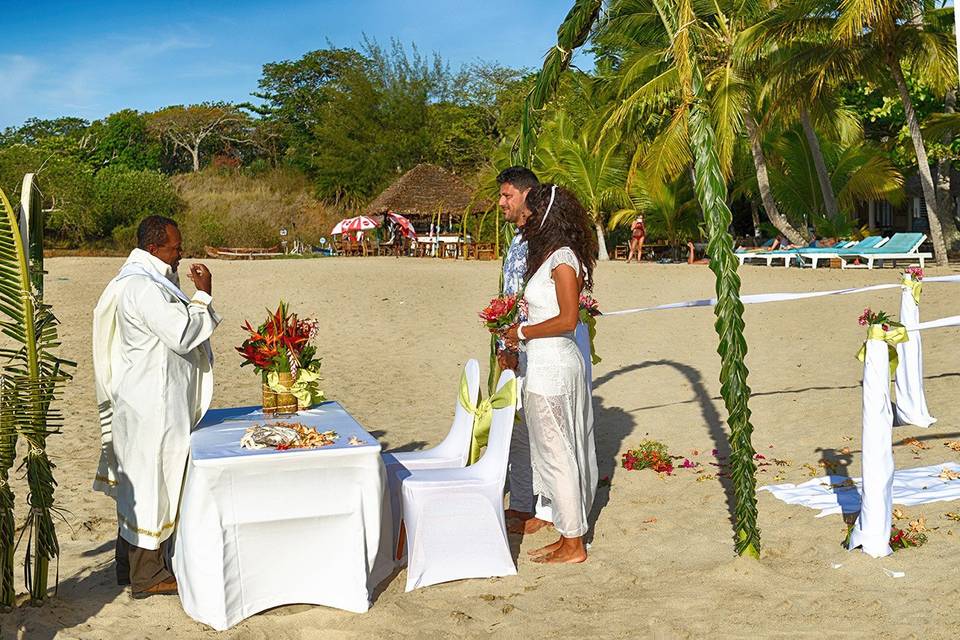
902, 246
814, 255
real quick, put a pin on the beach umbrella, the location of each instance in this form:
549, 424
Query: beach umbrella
359, 223
406, 227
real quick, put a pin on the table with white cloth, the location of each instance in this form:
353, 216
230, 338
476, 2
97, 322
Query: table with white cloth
261, 528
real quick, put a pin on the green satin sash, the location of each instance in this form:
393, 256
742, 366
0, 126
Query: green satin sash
483, 413
893, 337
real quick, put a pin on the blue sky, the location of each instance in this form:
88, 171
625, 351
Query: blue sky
90, 59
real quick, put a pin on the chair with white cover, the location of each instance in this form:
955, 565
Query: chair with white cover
452, 452
454, 517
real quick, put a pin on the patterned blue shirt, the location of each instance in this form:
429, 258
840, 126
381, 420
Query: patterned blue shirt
515, 264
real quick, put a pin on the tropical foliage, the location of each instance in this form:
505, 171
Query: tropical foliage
30, 380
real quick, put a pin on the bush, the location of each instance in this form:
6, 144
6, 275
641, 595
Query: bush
240, 210
122, 198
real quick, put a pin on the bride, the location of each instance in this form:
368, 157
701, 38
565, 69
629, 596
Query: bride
562, 250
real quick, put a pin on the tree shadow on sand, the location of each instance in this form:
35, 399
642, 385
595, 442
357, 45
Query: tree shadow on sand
613, 424
79, 598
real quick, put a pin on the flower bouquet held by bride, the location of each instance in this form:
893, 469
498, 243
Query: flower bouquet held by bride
280, 351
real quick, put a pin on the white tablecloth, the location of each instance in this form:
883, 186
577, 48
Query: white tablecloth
262, 528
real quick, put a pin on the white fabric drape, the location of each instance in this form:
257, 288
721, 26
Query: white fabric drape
911, 400
154, 381
263, 528
872, 529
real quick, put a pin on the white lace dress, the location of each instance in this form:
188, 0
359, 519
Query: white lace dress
558, 409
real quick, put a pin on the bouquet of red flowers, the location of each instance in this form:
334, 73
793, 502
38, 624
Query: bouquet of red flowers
869, 317
915, 272
502, 312
280, 351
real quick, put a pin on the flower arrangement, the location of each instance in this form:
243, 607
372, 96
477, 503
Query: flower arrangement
649, 454
914, 272
900, 539
868, 318
501, 313
280, 351
589, 310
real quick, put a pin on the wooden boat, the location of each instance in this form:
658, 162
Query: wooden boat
243, 253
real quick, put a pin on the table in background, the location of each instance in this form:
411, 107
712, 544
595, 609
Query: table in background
262, 528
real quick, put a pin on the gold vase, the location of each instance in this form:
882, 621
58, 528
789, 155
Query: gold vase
274, 402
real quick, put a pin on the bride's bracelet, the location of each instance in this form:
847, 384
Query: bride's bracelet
520, 335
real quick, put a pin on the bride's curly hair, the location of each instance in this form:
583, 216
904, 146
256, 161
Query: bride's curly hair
567, 225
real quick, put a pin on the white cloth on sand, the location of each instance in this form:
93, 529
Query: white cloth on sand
841, 494
558, 409
154, 381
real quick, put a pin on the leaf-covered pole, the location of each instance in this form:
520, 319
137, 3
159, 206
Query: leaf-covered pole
711, 191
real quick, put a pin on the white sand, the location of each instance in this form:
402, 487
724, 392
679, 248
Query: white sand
394, 336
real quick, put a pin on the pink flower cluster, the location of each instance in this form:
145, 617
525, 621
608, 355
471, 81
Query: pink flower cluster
915, 272
589, 304
500, 313
868, 317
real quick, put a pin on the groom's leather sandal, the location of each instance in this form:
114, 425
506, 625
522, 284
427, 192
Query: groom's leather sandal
168, 588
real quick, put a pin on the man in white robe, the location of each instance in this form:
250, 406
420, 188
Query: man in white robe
154, 379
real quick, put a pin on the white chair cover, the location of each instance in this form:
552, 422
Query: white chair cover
872, 529
454, 517
452, 452
911, 400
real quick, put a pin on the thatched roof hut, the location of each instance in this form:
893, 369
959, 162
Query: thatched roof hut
425, 190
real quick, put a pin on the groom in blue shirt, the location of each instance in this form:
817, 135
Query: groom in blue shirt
527, 512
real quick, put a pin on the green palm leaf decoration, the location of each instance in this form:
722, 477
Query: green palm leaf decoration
32, 378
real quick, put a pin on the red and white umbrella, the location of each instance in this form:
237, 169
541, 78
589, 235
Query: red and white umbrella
359, 223
406, 227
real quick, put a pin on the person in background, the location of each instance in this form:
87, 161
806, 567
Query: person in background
638, 233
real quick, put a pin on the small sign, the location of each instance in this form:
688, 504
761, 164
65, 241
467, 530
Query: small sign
283, 232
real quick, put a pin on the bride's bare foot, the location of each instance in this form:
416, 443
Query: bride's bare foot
565, 551
528, 526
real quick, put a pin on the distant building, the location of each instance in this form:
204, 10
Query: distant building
911, 215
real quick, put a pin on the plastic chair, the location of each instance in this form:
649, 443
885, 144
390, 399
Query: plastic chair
452, 452
454, 517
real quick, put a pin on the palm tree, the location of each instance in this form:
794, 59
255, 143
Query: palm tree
32, 376
591, 166
676, 33
875, 40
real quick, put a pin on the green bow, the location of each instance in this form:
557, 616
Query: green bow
916, 287
591, 323
305, 388
483, 413
893, 337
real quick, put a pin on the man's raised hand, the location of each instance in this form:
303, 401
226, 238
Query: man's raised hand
201, 278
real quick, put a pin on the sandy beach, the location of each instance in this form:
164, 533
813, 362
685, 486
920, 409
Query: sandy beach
394, 337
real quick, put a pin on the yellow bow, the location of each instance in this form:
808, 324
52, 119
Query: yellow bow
483, 413
305, 388
893, 337
916, 287
591, 323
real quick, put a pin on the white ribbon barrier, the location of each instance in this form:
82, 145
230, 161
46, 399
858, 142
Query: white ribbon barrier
911, 400
761, 298
872, 529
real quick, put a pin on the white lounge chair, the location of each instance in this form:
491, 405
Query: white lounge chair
454, 517
902, 246
849, 250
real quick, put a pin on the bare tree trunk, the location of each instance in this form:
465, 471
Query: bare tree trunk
601, 242
755, 217
763, 181
945, 205
923, 164
195, 153
826, 187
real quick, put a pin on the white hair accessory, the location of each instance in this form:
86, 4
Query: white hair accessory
553, 194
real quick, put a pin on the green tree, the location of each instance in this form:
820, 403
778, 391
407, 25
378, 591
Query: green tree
678, 32
187, 128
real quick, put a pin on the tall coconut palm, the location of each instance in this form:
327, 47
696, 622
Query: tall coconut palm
878, 40
679, 32
32, 376
734, 90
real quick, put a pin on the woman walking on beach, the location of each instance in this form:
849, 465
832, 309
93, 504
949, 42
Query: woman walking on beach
638, 233
562, 254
